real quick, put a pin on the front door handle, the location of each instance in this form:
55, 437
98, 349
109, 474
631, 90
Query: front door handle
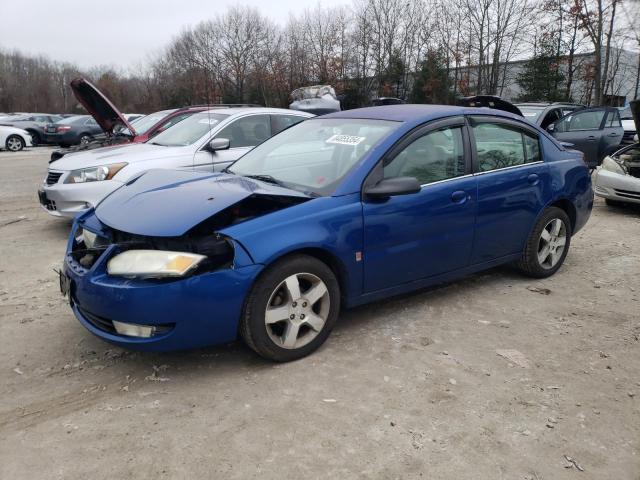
591, 138
533, 179
614, 134
459, 196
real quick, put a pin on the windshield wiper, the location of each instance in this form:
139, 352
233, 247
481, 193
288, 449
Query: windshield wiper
266, 178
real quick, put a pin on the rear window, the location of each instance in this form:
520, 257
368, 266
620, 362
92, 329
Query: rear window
72, 120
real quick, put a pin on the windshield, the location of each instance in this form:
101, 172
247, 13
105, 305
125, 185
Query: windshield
530, 113
188, 130
143, 124
314, 156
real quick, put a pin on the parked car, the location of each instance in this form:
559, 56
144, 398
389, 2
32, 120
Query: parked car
132, 117
629, 126
596, 132
14, 139
72, 130
383, 101
207, 141
339, 210
316, 99
34, 123
117, 127
545, 113
617, 180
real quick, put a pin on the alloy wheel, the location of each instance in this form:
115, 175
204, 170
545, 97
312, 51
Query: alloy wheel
553, 239
297, 310
14, 144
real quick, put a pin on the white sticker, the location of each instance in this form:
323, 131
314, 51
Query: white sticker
345, 139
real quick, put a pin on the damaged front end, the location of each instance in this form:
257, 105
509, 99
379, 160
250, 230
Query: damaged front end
618, 178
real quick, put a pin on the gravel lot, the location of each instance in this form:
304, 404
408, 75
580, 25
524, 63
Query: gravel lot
412, 387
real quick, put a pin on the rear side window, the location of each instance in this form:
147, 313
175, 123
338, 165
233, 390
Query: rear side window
500, 146
613, 120
436, 156
578, 121
247, 131
282, 122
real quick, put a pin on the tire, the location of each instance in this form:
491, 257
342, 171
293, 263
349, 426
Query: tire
85, 138
534, 262
35, 138
282, 338
14, 143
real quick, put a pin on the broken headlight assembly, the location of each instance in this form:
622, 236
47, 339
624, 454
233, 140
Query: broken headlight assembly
95, 174
611, 165
153, 263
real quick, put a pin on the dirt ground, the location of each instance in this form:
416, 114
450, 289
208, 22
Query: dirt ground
412, 387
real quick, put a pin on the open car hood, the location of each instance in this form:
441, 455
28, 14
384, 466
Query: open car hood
169, 203
99, 106
490, 101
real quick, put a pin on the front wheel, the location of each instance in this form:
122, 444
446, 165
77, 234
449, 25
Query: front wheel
547, 245
291, 309
85, 138
14, 143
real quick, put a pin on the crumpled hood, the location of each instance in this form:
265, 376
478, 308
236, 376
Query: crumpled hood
168, 203
128, 152
99, 106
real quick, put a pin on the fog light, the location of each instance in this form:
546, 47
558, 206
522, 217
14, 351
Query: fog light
133, 330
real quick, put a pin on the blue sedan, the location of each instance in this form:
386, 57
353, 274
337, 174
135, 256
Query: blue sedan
334, 212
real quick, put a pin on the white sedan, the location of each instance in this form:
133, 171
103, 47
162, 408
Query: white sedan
14, 139
208, 141
617, 180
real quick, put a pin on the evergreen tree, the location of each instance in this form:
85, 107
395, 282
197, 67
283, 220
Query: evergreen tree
542, 79
432, 83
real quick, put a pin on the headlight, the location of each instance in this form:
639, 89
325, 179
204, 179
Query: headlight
95, 174
611, 165
153, 263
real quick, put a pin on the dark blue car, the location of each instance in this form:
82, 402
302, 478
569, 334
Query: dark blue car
334, 212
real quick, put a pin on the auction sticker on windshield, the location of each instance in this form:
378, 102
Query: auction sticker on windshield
345, 139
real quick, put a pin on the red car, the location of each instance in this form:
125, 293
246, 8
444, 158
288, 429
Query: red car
117, 130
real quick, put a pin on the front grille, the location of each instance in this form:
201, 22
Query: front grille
53, 177
628, 194
99, 322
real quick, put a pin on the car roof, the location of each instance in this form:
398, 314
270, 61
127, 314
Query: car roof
265, 110
415, 112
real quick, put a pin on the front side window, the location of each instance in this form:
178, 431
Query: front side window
590, 120
437, 155
282, 122
247, 131
315, 155
501, 146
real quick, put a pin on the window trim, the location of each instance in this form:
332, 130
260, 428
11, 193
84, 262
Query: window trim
376, 174
514, 124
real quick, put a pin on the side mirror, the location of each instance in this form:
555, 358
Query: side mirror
390, 187
219, 144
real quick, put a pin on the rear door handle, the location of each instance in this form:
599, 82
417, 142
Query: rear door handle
459, 196
591, 138
533, 179
614, 134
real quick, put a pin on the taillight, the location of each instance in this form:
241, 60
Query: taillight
63, 128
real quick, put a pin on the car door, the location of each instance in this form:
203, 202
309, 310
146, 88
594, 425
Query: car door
612, 133
513, 185
243, 134
420, 235
551, 116
584, 130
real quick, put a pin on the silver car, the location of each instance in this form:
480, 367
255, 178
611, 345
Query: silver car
617, 180
208, 141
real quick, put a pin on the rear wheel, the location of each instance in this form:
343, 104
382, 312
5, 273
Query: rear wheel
85, 138
547, 245
291, 309
14, 143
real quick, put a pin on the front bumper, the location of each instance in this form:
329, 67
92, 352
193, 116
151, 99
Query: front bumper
193, 312
616, 186
71, 199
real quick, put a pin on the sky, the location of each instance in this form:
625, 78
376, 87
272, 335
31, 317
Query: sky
116, 33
